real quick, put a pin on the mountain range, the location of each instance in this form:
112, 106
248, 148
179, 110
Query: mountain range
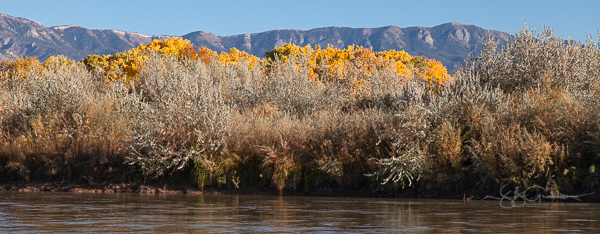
449, 43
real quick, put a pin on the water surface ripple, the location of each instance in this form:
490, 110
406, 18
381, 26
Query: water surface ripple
77, 212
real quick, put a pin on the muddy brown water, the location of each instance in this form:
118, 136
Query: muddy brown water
125, 212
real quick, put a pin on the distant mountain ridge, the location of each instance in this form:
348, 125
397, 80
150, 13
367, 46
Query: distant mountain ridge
22, 37
449, 43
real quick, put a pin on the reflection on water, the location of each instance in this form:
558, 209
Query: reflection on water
63, 212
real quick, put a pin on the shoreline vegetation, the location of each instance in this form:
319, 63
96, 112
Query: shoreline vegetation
306, 120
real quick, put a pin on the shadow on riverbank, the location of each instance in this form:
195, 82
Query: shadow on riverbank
170, 188
166, 188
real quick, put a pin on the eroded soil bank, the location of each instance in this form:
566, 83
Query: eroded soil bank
182, 188
126, 188
169, 188
166, 188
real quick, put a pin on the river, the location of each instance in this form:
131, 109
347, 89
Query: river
127, 212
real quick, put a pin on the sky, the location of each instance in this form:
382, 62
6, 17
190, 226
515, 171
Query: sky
568, 19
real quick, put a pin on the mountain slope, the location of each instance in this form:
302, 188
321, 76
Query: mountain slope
449, 43
22, 37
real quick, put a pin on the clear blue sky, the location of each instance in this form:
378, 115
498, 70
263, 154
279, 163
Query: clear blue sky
567, 18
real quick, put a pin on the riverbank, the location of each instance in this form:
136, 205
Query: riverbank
166, 188
157, 188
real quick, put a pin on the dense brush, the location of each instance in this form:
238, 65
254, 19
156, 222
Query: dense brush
525, 113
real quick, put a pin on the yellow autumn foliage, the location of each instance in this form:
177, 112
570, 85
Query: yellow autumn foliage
335, 64
18, 68
234, 56
287, 51
126, 65
328, 64
175, 46
205, 55
436, 72
58, 60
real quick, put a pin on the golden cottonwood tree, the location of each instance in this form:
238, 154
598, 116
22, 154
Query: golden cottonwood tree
126, 65
335, 64
18, 68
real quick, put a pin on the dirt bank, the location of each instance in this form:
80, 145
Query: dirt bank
170, 188
166, 188
122, 188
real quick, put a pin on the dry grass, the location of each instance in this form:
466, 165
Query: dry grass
61, 126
